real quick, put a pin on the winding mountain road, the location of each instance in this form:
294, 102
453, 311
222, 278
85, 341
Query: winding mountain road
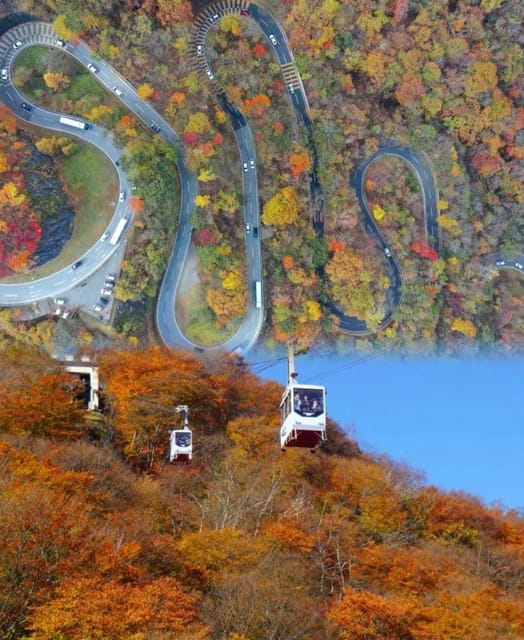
40, 33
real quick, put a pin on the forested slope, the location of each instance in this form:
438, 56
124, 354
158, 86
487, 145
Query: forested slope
101, 539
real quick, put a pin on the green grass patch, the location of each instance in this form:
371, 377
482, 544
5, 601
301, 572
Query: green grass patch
28, 76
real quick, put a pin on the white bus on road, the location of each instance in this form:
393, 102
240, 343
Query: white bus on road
117, 233
258, 294
78, 124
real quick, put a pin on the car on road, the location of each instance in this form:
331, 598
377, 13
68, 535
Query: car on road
519, 265
76, 264
92, 68
26, 106
155, 127
245, 167
4, 74
387, 251
122, 196
248, 227
104, 236
118, 91
252, 164
17, 44
273, 39
500, 263
255, 232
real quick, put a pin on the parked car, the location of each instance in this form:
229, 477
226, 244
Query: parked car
60, 43
18, 44
111, 277
106, 292
97, 307
4, 74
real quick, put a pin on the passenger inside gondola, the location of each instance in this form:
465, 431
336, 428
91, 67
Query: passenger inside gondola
307, 402
183, 438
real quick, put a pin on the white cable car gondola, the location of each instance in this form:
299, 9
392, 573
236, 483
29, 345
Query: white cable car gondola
302, 413
180, 440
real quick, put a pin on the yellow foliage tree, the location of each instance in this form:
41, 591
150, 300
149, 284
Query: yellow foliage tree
202, 200
206, 175
282, 208
374, 65
231, 280
145, 91
9, 194
61, 30
231, 24
225, 304
56, 81
198, 123
464, 326
450, 224
482, 77
378, 212
314, 310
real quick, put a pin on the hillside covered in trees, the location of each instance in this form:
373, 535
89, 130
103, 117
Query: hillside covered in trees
101, 539
445, 78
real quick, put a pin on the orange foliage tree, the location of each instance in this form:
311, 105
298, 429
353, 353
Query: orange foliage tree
92, 607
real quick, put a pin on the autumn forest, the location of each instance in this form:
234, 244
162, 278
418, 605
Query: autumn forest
444, 78
102, 539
